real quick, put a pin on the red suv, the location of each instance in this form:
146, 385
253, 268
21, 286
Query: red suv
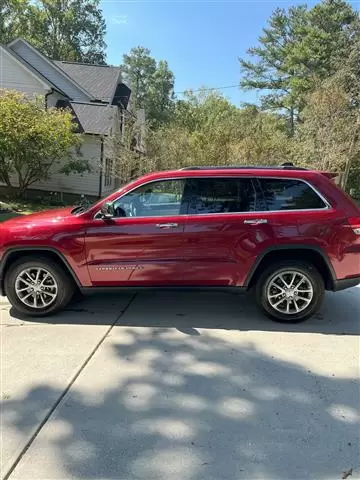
286, 232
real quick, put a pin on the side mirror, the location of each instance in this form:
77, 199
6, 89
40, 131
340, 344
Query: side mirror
107, 210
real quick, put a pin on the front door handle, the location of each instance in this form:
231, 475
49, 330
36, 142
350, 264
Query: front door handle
256, 221
167, 225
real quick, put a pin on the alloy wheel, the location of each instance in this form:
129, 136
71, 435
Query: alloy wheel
36, 287
290, 292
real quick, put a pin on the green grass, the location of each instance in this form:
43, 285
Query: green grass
30, 206
11, 207
7, 216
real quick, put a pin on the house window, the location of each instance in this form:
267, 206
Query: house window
108, 172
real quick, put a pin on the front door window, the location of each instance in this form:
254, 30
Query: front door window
155, 199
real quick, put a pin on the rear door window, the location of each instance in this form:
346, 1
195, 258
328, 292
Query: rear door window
219, 195
289, 194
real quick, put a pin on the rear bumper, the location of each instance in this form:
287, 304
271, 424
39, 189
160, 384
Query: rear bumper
345, 283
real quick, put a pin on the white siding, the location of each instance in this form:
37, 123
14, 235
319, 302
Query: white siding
13, 76
53, 98
86, 184
48, 70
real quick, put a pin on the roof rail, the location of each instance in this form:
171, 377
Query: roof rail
243, 167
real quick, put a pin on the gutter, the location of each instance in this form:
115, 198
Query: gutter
101, 166
50, 92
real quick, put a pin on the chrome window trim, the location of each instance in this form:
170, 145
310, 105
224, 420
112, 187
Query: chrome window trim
257, 177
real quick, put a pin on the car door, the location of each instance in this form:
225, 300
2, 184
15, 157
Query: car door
142, 245
223, 233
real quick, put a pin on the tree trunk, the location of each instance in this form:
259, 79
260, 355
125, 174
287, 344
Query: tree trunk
292, 121
5, 177
351, 148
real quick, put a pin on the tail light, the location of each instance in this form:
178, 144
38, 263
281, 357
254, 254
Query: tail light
330, 174
354, 223
335, 177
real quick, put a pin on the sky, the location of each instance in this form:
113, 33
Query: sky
200, 39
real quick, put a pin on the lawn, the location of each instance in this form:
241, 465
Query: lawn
7, 216
10, 208
30, 206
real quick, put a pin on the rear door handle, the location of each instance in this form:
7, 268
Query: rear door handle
256, 221
167, 225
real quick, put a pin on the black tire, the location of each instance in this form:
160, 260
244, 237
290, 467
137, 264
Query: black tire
303, 268
65, 285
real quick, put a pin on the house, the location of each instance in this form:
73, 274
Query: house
97, 97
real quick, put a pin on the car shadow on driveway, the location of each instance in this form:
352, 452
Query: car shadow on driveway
219, 407
191, 311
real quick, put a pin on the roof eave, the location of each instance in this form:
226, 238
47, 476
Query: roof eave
20, 61
50, 62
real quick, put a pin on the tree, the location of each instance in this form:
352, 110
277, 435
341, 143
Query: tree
329, 137
69, 29
12, 19
152, 84
34, 141
207, 130
348, 78
270, 71
297, 49
61, 29
262, 138
128, 161
204, 111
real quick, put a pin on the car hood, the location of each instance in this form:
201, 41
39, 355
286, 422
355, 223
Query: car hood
58, 215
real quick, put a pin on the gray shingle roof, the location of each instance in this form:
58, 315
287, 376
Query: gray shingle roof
94, 118
99, 80
31, 68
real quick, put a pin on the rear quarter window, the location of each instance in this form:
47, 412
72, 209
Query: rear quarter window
289, 194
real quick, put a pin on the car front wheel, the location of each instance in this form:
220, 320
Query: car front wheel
38, 287
290, 291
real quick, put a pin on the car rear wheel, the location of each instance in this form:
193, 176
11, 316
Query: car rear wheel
38, 287
290, 291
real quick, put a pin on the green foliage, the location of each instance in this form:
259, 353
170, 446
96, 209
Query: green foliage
328, 127
61, 29
329, 136
262, 138
298, 48
208, 130
204, 111
152, 84
34, 142
13, 21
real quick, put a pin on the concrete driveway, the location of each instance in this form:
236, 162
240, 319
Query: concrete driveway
180, 386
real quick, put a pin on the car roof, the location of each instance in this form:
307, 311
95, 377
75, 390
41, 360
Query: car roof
230, 171
244, 167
